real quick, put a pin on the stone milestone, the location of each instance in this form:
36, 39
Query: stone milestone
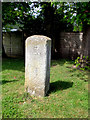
37, 65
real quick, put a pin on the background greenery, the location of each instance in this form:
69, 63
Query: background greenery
69, 16
46, 18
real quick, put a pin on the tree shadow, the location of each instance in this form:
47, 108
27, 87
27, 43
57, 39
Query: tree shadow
59, 85
61, 62
7, 81
13, 64
19, 63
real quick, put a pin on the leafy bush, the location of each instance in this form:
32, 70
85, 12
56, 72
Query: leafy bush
83, 63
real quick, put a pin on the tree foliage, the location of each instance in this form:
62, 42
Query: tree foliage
15, 14
83, 14
68, 16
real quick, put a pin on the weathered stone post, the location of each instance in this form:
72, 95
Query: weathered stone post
37, 65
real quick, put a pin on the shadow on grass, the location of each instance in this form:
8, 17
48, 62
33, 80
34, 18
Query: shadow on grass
59, 85
7, 81
19, 63
61, 62
13, 64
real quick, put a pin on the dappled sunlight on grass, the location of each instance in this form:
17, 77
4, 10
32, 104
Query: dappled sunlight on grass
67, 96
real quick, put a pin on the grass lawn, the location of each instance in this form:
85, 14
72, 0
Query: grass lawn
67, 98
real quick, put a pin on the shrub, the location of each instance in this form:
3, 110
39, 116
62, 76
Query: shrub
83, 63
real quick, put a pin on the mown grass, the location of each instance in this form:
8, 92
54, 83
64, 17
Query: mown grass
67, 97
